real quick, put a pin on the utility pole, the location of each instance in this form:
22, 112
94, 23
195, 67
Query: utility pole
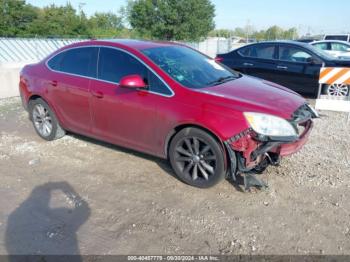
247, 31
80, 7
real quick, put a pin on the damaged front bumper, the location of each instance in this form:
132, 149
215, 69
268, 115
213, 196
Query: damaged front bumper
250, 152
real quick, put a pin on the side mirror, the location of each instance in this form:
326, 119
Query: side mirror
132, 81
312, 60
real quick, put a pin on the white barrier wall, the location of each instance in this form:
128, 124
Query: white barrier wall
17, 52
9, 79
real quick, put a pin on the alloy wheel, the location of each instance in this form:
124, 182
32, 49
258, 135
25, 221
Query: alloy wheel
195, 158
42, 120
338, 90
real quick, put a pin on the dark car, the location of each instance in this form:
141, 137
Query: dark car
292, 64
307, 40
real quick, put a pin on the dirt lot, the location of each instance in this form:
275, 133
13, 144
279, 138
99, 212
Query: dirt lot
77, 195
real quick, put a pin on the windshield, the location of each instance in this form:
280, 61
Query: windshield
188, 67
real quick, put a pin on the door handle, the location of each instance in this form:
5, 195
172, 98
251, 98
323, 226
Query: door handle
248, 64
282, 67
97, 94
53, 83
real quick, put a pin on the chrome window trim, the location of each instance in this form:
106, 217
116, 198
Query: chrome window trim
106, 81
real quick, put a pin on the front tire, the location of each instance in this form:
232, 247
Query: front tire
44, 120
197, 158
337, 90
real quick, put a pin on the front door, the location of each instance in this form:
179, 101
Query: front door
123, 116
298, 70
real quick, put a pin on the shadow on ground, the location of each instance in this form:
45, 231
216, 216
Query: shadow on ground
35, 228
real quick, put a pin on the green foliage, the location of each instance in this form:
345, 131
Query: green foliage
272, 33
22, 20
16, 17
154, 19
171, 19
105, 24
221, 33
59, 21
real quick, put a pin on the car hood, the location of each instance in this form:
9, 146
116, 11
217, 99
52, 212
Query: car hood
342, 62
256, 95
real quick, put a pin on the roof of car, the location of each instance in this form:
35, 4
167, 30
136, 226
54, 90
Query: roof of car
302, 44
331, 41
286, 42
131, 43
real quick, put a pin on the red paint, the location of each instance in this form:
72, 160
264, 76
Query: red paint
219, 59
145, 121
288, 149
132, 81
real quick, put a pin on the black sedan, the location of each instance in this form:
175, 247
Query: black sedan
292, 64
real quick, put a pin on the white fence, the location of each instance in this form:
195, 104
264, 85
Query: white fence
22, 50
19, 50
215, 45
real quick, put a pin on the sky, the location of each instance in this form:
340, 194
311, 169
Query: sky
313, 16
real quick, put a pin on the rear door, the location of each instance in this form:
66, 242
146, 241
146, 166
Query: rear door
259, 60
69, 84
298, 69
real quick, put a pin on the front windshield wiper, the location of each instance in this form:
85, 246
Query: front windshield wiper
222, 80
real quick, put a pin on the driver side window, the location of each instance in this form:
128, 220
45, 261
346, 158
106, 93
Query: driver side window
293, 54
114, 64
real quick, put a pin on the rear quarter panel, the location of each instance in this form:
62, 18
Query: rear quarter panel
34, 81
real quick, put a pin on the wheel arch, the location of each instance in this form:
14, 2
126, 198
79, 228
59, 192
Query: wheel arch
37, 96
180, 127
34, 97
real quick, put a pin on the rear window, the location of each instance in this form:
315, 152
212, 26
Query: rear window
258, 51
78, 61
337, 37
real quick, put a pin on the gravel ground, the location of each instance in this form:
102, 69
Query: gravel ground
77, 195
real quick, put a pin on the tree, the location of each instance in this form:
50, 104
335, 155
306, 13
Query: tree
16, 17
172, 19
59, 21
291, 33
222, 33
274, 32
105, 25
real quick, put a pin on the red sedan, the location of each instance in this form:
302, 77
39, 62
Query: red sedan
167, 100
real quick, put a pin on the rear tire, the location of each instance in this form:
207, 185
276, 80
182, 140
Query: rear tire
44, 120
197, 158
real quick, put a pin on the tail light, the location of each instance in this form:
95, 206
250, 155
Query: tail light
219, 59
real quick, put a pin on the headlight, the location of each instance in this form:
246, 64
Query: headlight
269, 125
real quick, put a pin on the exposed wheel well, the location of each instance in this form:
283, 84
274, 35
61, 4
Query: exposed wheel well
33, 97
181, 127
